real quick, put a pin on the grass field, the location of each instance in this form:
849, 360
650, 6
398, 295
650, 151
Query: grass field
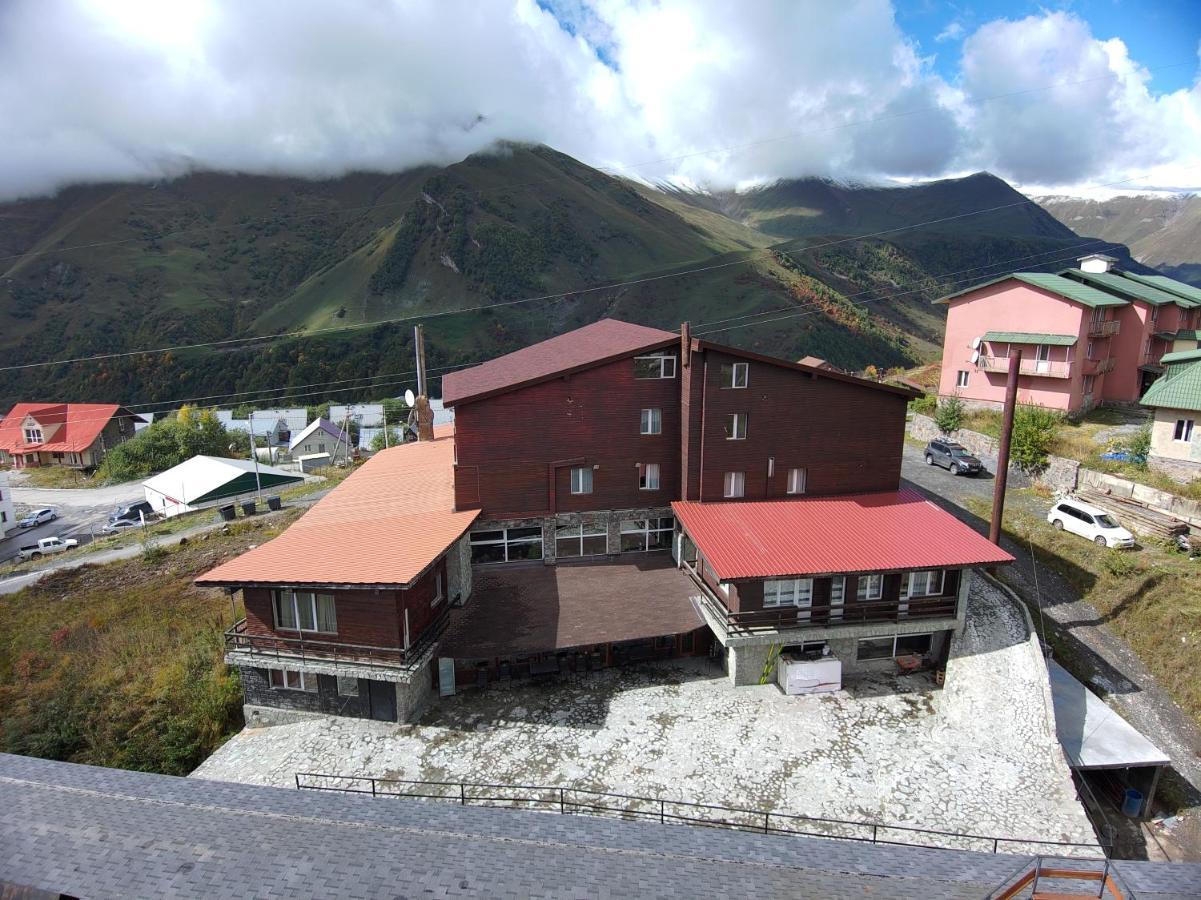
58, 477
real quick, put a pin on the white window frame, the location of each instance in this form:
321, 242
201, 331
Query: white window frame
739, 372
869, 587
797, 480
438, 595
34, 435
579, 535
1184, 431
926, 583
961, 377
779, 592
838, 596
304, 681
648, 476
734, 485
652, 422
645, 528
577, 479
736, 424
505, 541
298, 602
667, 366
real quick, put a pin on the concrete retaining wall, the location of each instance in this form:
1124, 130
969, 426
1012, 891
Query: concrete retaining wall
1163, 501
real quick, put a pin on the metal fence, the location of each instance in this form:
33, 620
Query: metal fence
582, 801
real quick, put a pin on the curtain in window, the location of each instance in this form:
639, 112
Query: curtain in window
326, 621
305, 612
285, 610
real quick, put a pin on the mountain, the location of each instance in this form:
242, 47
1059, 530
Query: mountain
1161, 231
102, 269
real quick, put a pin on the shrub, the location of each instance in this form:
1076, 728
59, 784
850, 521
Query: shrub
1033, 431
925, 404
1139, 446
1117, 563
949, 415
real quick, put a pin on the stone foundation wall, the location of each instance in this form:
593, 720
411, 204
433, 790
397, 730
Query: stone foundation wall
458, 571
264, 705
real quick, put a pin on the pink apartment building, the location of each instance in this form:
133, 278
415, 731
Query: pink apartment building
1090, 335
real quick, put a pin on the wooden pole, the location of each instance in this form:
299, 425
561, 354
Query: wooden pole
998, 497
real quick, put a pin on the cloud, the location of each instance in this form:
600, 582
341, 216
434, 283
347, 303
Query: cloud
705, 91
952, 32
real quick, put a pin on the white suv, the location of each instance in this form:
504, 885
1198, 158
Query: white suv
1090, 522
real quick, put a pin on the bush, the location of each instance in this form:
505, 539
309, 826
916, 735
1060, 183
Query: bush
1117, 563
1139, 446
949, 415
166, 443
377, 440
925, 404
1033, 431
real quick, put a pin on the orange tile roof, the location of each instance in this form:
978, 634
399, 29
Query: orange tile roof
384, 525
81, 424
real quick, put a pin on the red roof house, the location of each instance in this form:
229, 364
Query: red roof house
64, 434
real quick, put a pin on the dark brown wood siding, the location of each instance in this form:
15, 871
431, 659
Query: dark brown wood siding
363, 617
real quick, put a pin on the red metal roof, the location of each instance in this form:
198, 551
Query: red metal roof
588, 346
883, 532
69, 427
384, 525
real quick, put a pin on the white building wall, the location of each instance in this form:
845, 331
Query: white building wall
8, 517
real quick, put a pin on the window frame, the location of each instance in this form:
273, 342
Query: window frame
572, 480
303, 680
961, 378
34, 435
788, 592
505, 542
293, 598
626, 529
346, 692
644, 477
733, 420
732, 370
579, 537
666, 371
439, 595
1183, 432
895, 639
729, 479
651, 421
927, 576
801, 474
863, 587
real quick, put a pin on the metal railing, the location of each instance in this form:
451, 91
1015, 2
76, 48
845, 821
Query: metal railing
1040, 368
826, 615
582, 801
1104, 328
282, 649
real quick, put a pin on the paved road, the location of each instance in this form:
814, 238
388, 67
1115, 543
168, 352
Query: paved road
82, 512
1117, 672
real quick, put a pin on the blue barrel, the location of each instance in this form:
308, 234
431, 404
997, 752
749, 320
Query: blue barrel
1133, 804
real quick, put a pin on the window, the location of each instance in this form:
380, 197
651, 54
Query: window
918, 644
838, 589
291, 680
735, 483
437, 588
652, 421
875, 648
348, 687
922, 584
642, 535
896, 645
1154, 314
796, 481
1088, 352
648, 476
736, 427
506, 545
585, 539
1184, 430
1089, 383
33, 435
656, 366
305, 611
321, 448
961, 378
735, 375
870, 587
581, 480
787, 592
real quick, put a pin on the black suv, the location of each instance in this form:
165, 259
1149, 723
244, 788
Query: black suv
952, 456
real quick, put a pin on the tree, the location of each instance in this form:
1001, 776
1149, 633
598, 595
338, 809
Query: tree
396, 412
377, 440
167, 442
949, 415
1034, 430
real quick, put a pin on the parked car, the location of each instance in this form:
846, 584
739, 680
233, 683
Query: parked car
133, 512
953, 457
46, 546
1090, 522
39, 517
120, 525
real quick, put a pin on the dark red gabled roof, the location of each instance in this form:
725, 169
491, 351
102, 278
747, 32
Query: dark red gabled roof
600, 342
880, 532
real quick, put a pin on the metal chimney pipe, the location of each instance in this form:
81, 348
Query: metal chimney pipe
998, 496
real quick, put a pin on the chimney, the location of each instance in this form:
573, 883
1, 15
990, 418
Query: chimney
1096, 263
425, 415
685, 345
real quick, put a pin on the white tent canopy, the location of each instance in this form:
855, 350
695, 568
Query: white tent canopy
205, 480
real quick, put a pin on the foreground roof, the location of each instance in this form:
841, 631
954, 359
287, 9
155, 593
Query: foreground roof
886, 531
588, 346
383, 526
1178, 388
81, 425
204, 478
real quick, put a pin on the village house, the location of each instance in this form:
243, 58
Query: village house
75, 435
321, 443
1176, 401
614, 494
1088, 335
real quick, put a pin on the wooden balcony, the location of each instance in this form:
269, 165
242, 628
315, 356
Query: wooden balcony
277, 650
825, 616
1033, 367
1103, 329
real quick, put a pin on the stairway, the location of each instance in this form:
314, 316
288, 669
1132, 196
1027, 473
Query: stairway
1058, 878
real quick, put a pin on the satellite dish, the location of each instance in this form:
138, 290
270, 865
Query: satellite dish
976, 344
975, 357
410, 399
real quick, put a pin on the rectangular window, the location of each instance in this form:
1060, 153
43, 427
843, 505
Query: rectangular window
961, 378
787, 592
585, 539
734, 484
291, 680
875, 648
838, 589
437, 588
1154, 314
1089, 382
735, 375
304, 611
922, 584
1184, 430
656, 366
643, 535
736, 427
870, 587
581, 480
33, 435
348, 687
652, 421
648, 476
1088, 353
796, 481
913, 644
506, 545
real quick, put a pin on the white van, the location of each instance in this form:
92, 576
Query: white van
1089, 521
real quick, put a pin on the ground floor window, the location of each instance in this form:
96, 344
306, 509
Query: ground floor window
291, 680
348, 687
506, 545
639, 535
1184, 430
961, 377
585, 539
895, 645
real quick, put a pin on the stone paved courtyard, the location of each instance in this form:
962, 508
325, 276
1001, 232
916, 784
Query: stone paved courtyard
979, 756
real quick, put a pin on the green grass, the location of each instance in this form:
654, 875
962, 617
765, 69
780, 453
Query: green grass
59, 477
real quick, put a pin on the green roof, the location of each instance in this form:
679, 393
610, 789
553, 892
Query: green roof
1111, 281
1026, 337
1186, 292
1180, 388
1064, 287
1180, 356
1188, 335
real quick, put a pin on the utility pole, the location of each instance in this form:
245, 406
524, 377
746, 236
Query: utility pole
998, 496
254, 455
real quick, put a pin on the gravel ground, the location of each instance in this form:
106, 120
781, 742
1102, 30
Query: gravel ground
979, 756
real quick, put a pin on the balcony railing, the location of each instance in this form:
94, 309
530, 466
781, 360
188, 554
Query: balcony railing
853, 612
1037, 367
1106, 328
269, 648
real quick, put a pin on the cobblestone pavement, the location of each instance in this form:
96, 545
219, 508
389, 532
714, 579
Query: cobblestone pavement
978, 756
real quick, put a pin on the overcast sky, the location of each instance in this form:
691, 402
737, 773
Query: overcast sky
711, 93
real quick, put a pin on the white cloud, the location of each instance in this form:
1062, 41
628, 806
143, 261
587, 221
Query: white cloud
952, 32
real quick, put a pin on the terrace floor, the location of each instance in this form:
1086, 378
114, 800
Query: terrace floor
979, 756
